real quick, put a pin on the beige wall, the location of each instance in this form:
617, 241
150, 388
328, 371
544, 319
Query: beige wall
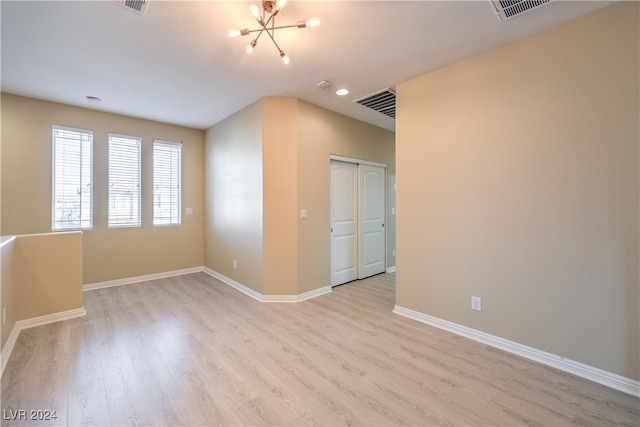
108, 253
41, 275
518, 181
276, 155
281, 223
233, 194
321, 134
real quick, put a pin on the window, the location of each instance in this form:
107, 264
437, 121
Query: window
124, 181
167, 183
72, 194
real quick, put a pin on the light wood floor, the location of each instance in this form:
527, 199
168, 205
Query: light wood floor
192, 351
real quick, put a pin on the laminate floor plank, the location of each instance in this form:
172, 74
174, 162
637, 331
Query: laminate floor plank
377, 371
87, 395
189, 350
234, 345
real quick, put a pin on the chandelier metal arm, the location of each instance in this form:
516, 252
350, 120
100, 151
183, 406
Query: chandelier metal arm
264, 26
247, 31
274, 42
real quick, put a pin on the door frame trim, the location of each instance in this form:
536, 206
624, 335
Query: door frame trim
357, 161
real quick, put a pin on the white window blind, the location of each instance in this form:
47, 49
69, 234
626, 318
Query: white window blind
71, 181
167, 183
124, 181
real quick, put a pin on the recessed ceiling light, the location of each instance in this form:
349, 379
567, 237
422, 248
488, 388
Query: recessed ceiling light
342, 92
93, 99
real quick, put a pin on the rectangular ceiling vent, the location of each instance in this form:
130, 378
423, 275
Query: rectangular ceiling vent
507, 9
383, 102
137, 6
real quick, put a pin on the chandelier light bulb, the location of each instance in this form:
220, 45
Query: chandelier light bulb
280, 4
255, 11
237, 33
251, 46
312, 22
284, 57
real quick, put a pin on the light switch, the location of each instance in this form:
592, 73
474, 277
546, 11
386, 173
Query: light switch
189, 211
304, 214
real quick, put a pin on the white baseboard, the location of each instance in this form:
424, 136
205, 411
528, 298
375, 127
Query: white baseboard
391, 269
32, 323
8, 348
591, 373
297, 298
266, 298
138, 279
236, 285
50, 318
226, 280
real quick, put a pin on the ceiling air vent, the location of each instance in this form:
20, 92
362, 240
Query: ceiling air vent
137, 6
507, 9
383, 102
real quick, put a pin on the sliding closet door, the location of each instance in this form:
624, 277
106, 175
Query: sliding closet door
371, 217
344, 218
357, 221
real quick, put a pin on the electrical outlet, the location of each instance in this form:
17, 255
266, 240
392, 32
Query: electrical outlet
393, 252
4, 316
476, 303
235, 264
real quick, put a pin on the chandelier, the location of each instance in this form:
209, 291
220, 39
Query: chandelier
267, 20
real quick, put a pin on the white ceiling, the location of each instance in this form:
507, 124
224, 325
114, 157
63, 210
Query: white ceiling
175, 64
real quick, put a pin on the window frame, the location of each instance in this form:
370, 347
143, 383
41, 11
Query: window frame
54, 169
111, 217
171, 220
